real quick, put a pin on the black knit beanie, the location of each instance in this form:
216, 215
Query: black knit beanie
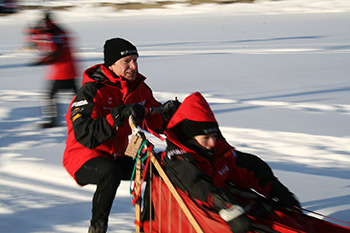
194, 128
117, 48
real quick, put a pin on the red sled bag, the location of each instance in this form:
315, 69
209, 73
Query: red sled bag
162, 213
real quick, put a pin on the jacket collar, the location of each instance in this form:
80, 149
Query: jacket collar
100, 73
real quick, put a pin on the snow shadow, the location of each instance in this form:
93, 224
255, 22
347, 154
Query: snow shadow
63, 217
303, 93
302, 168
275, 39
330, 203
22, 124
41, 203
13, 66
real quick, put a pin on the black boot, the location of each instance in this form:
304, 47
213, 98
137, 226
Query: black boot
97, 229
49, 123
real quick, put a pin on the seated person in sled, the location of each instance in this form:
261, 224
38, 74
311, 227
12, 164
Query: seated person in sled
200, 162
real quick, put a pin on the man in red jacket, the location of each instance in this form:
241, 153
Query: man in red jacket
201, 163
55, 45
97, 131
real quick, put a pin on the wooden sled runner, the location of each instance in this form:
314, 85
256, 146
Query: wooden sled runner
167, 209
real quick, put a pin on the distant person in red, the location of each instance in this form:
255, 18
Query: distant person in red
54, 44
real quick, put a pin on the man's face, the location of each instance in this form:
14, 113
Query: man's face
126, 67
206, 141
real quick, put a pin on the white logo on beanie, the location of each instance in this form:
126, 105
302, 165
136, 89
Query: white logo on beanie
210, 131
127, 52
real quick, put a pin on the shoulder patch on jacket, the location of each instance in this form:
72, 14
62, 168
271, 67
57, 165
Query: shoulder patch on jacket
76, 113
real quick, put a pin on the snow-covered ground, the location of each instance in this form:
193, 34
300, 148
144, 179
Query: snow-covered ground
276, 74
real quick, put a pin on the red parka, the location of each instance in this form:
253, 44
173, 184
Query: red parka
200, 176
91, 129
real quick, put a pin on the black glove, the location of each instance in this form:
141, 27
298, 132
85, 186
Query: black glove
170, 108
284, 196
235, 217
233, 214
122, 112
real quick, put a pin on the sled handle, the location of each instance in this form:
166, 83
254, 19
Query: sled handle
135, 131
132, 123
